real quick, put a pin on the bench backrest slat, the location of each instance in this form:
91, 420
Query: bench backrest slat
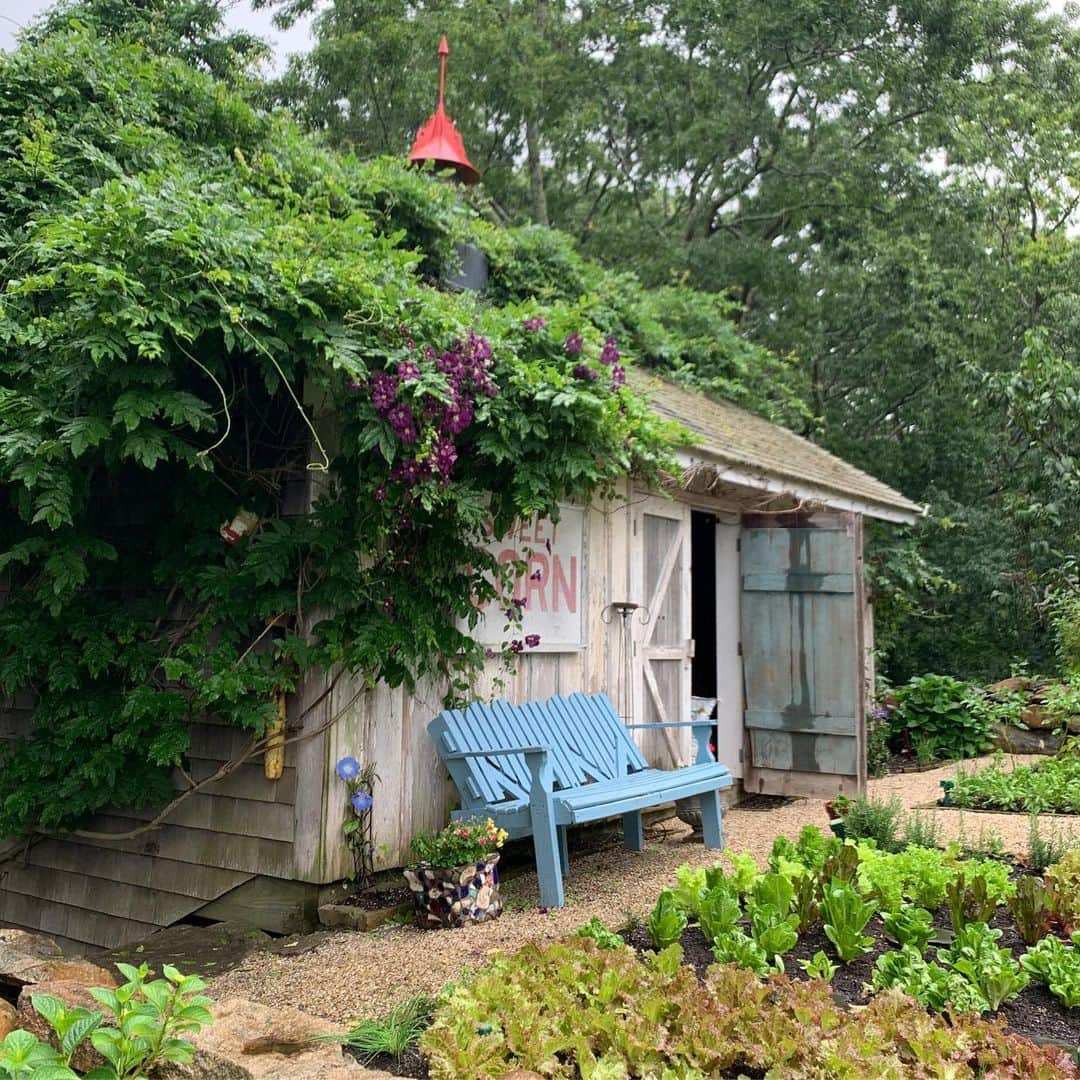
587, 741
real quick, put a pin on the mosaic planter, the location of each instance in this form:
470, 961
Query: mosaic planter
445, 897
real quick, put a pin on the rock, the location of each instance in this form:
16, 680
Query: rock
9, 1018
71, 994
20, 952
1036, 718
1016, 740
260, 1042
1016, 684
349, 917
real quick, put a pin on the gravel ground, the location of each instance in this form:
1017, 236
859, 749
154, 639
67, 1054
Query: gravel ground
352, 974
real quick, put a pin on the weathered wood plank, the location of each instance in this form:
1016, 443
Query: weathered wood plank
248, 782
202, 882
238, 817
282, 907
76, 923
256, 855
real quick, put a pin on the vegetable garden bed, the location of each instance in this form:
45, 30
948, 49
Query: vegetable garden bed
1050, 786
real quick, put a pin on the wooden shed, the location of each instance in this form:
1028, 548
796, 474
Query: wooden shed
742, 585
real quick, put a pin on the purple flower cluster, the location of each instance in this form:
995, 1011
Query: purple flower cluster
408, 371
535, 323
573, 343
402, 423
609, 354
618, 376
383, 389
585, 373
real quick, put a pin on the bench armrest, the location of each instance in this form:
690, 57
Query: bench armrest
502, 752
704, 755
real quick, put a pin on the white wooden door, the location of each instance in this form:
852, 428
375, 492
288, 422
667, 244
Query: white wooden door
662, 645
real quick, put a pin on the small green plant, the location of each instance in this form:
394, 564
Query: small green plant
1062, 701
1057, 965
991, 970
690, 886
845, 914
395, 1034
968, 901
666, 922
604, 938
874, 819
932, 985
1045, 850
147, 1020
925, 748
719, 911
877, 742
922, 829
469, 840
944, 709
910, 926
819, 966
806, 903
736, 947
1063, 877
773, 931
1033, 910
744, 870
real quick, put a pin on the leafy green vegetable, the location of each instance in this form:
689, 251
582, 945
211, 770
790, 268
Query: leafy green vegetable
666, 922
968, 902
910, 926
974, 954
1057, 965
604, 938
719, 911
736, 947
819, 966
1033, 909
845, 914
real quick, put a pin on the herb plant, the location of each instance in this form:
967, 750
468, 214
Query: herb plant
874, 819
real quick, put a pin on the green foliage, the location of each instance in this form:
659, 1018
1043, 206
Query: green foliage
1045, 850
467, 840
1033, 909
944, 710
974, 954
922, 829
1063, 877
182, 269
1057, 965
719, 911
144, 1029
744, 870
1062, 701
1051, 785
920, 875
666, 922
570, 1008
932, 985
598, 932
910, 926
690, 887
819, 966
873, 819
845, 914
1065, 619
396, 1033
968, 901
736, 947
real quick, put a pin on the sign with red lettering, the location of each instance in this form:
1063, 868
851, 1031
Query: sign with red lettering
551, 587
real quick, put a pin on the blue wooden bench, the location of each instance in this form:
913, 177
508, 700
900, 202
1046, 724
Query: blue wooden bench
537, 768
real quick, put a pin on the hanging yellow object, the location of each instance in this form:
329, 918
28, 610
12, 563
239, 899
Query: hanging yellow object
274, 760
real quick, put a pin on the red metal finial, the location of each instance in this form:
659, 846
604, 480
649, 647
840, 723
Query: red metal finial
438, 140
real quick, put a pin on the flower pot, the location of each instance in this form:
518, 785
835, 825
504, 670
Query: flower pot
838, 828
445, 897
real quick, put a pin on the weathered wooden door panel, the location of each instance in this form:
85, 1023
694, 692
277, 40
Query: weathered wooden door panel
802, 662
661, 580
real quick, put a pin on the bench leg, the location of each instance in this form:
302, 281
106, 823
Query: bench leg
564, 850
712, 819
633, 831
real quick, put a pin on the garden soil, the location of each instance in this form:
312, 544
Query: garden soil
350, 975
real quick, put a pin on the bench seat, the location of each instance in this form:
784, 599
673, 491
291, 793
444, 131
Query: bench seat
537, 768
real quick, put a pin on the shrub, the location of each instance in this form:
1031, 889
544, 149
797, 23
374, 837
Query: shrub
942, 708
874, 819
1065, 619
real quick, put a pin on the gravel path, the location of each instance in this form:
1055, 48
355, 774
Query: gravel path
351, 974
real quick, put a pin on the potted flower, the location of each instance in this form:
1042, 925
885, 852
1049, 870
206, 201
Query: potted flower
457, 879
838, 806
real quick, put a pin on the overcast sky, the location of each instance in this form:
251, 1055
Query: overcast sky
16, 13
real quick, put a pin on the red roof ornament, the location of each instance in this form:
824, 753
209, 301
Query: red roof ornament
438, 140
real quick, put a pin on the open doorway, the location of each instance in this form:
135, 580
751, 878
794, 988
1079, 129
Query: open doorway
716, 667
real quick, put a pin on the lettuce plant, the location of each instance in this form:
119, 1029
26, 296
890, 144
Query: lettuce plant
1057, 965
719, 911
968, 901
846, 914
744, 870
1033, 910
666, 922
930, 984
604, 938
690, 886
910, 925
735, 947
819, 966
773, 931
992, 971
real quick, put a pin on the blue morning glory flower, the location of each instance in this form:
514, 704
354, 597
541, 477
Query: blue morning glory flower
348, 768
362, 801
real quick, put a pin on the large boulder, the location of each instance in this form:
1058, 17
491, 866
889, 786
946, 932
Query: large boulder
21, 955
262, 1042
1018, 740
9, 1018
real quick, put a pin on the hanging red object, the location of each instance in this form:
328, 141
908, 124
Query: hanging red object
438, 140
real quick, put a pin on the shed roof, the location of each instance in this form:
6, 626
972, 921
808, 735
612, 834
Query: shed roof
749, 451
